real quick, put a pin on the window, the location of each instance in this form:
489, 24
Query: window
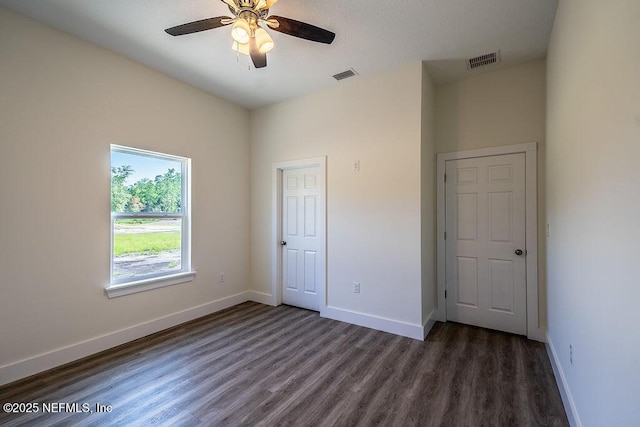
150, 220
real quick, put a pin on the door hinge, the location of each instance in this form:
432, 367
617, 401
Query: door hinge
445, 235
445, 293
445, 177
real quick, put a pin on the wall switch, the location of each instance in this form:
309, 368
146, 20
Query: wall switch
221, 277
356, 287
356, 166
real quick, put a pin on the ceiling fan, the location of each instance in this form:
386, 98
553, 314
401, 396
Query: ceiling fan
249, 37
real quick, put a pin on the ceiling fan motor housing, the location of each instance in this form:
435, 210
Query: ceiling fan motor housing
247, 10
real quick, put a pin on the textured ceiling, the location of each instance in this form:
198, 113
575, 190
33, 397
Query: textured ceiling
372, 36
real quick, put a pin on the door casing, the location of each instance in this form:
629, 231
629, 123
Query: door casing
276, 226
534, 331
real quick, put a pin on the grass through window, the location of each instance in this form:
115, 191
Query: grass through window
145, 243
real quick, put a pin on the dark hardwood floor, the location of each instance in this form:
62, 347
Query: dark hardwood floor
258, 365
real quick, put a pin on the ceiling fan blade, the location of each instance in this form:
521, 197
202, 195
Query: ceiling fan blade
197, 26
303, 30
259, 59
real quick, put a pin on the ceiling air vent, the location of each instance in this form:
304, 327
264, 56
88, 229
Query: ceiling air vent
483, 60
345, 74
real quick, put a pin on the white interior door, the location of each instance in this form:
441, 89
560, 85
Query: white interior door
302, 234
485, 242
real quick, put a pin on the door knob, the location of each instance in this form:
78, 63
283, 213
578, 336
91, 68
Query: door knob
519, 252
283, 243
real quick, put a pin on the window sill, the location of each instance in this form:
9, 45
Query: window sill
113, 291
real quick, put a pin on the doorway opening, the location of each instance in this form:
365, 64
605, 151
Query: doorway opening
299, 233
458, 272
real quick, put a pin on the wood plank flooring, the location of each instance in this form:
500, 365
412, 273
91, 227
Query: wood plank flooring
258, 365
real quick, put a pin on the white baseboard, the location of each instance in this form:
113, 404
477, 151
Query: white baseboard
374, 322
565, 392
428, 324
261, 297
42, 362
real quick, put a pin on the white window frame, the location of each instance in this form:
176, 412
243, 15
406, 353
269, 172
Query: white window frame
125, 286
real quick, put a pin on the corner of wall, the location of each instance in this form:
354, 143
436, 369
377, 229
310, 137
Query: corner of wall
427, 199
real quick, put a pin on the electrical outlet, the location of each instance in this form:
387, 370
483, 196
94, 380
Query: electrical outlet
356, 287
356, 166
221, 277
548, 230
571, 354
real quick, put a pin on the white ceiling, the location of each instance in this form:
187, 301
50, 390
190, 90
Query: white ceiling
372, 36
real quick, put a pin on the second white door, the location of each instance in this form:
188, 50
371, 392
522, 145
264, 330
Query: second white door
302, 234
485, 242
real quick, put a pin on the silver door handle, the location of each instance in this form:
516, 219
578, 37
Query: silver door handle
519, 252
283, 243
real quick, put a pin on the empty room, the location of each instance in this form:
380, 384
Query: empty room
310, 213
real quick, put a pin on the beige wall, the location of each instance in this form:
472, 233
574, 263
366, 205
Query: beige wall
62, 102
499, 108
593, 206
373, 216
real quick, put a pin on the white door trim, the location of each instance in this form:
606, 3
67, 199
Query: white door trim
276, 225
530, 150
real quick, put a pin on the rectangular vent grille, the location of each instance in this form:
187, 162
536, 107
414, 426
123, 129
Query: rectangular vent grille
345, 74
483, 60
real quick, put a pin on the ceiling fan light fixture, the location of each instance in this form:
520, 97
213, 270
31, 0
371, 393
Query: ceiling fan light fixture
241, 48
241, 32
263, 40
